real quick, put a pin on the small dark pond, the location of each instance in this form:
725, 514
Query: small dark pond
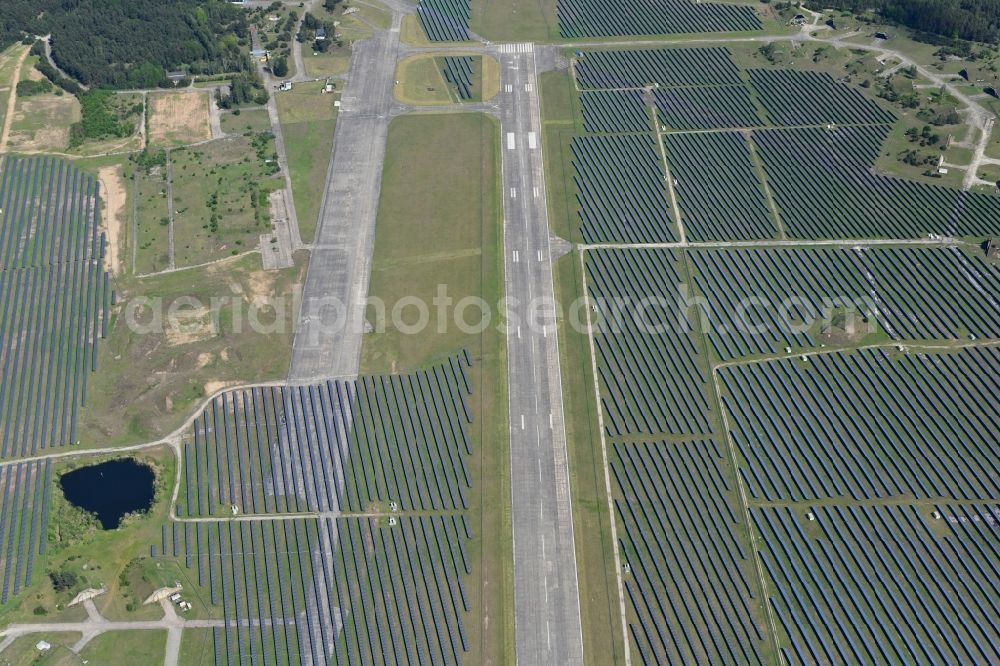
110, 490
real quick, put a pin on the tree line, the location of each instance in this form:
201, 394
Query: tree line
131, 43
972, 20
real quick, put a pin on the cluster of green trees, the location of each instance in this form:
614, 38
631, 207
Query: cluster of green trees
309, 32
975, 20
100, 118
131, 43
245, 88
27, 88
50, 72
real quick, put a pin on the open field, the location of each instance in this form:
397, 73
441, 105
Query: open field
308, 120
248, 120
41, 123
129, 647
178, 118
516, 20
420, 81
220, 197
152, 251
436, 214
22, 652
427, 79
153, 378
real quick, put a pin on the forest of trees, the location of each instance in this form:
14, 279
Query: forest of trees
131, 43
975, 20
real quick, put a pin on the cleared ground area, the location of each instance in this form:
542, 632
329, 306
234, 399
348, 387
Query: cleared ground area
178, 118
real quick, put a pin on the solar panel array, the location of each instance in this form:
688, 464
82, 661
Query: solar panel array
590, 18
54, 300
721, 435
335, 446
459, 72
333, 591
445, 20
352, 538
24, 501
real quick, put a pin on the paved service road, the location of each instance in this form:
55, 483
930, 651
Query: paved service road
546, 596
331, 322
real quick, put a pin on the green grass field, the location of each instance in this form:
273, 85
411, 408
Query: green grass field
126, 647
220, 197
152, 252
517, 20
594, 550
308, 119
419, 81
439, 223
248, 120
22, 652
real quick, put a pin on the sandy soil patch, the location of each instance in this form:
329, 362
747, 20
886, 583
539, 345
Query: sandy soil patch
33, 141
42, 123
188, 325
113, 212
261, 287
11, 101
212, 387
179, 118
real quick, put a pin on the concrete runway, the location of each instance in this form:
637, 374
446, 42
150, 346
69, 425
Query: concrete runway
331, 322
546, 596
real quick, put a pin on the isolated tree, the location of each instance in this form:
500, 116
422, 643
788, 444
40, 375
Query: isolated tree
279, 66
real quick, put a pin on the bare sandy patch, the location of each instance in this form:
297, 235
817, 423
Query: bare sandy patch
261, 287
42, 123
211, 388
204, 359
113, 187
11, 101
188, 325
179, 118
